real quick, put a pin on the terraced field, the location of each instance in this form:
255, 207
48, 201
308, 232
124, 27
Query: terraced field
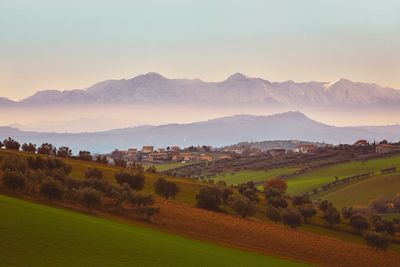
37, 235
316, 178
360, 193
234, 178
166, 166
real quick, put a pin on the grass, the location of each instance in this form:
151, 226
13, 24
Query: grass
166, 166
188, 189
306, 182
37, 235
360, 193
234, 178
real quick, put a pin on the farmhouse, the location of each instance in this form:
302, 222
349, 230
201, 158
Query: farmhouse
147, 149
384, 148
175, 148
158, 156
361, 143
118, 154
205, 157
306, 148
188, 156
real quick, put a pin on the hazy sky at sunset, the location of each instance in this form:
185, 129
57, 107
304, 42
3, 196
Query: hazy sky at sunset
48, 44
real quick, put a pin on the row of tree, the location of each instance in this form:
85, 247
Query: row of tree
50, 150
50, 178
296, 210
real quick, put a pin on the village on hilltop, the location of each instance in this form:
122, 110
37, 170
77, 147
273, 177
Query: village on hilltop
278, 149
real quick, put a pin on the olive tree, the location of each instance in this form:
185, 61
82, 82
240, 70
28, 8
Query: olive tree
291, 217
166, 188
209, 198
51, 189
359, 222
90, 197
377, 241
14, 180
273, 214
243, 206
135, 179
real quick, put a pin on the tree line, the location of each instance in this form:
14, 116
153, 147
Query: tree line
50, 150
50, 179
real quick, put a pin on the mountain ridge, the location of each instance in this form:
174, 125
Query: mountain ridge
153, 88
216, 132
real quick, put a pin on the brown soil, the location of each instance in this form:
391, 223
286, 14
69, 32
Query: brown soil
251, 235
268, 238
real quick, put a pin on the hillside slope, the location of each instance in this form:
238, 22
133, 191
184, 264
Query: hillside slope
38, 235
303, 183
180, 216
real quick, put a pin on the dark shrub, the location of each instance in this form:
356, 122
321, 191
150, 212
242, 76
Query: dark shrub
14, 164
359, 222
51, 189
11, 144
377, 241
209, 198
273, 213
135, 179
14, 180
93, 173
165, 188
291, 217
90, 197
243, 206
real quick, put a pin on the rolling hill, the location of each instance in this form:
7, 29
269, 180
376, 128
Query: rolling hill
354, 193
98, 238
37, 235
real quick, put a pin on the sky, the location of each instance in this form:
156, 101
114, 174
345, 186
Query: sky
48, 44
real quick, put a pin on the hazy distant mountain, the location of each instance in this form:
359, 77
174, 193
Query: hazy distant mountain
217, 132
6, 101
74, 126
152, 88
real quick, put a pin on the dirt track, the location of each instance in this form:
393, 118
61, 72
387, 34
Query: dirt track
268, 238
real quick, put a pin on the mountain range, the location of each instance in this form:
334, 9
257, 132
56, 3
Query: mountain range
216, 132
153, 88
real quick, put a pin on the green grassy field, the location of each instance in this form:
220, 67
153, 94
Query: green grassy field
360, 193
239, 177
316, 178
166, 166
37, 235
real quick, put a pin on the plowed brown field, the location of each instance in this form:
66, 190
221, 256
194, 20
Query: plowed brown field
268, 238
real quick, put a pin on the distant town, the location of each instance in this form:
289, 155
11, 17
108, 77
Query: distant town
150, 154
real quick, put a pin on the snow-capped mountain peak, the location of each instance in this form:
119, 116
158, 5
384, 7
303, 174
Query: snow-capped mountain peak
236, 89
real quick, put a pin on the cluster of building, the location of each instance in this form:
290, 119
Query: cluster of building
381, 148
275, 152
207, 153
150, 154
312, 148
